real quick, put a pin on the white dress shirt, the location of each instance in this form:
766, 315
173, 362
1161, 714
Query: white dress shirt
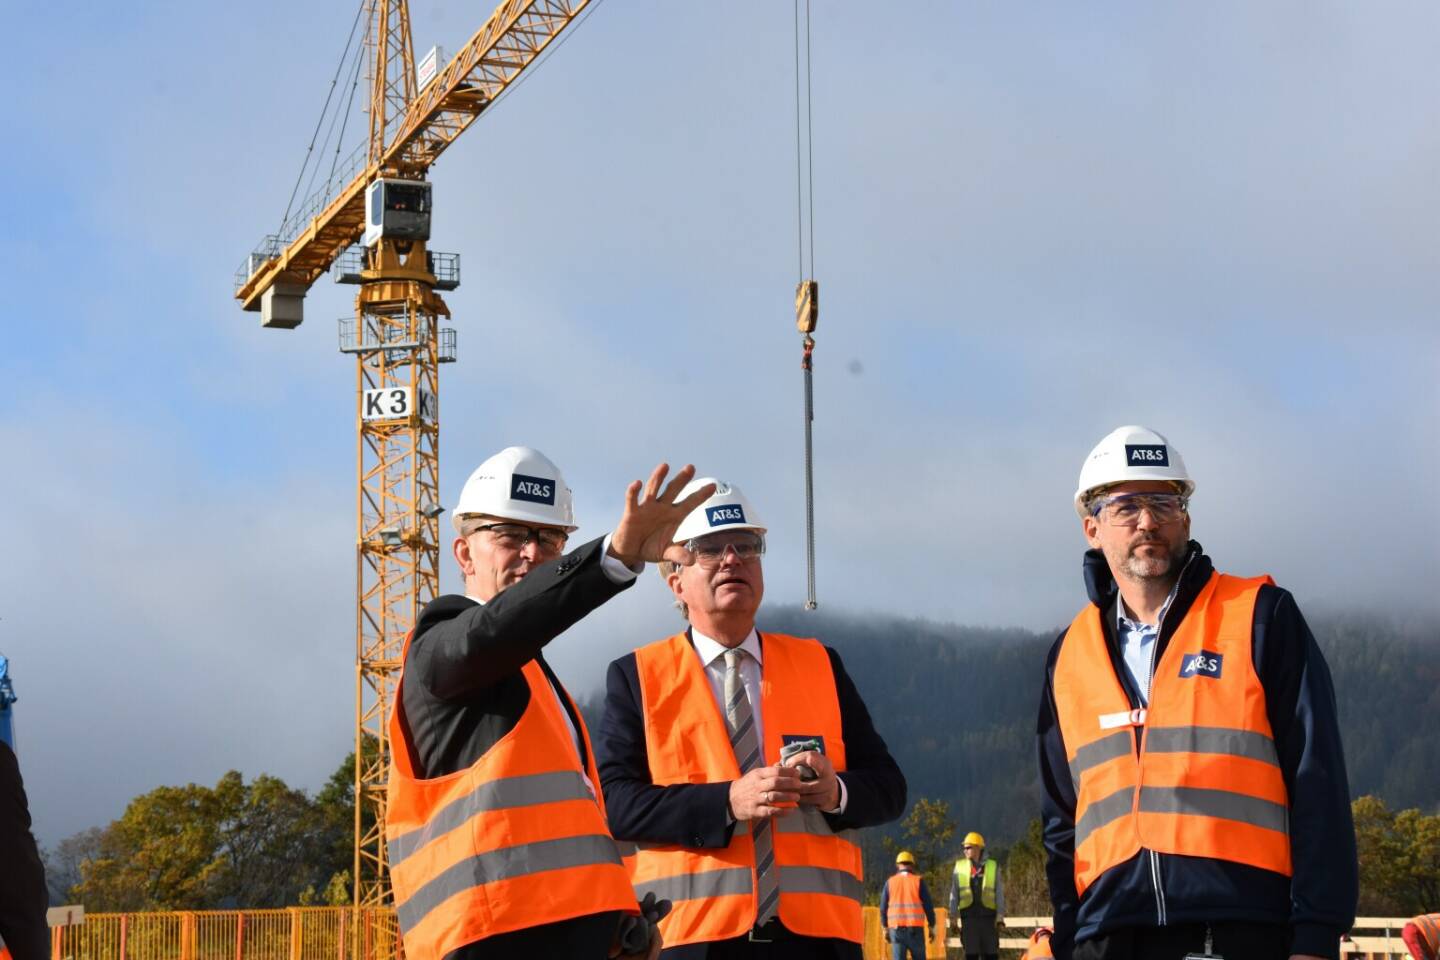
712, 658
618, 573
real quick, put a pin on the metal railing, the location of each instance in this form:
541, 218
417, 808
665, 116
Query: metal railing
330, 933
296, 933
1372, 938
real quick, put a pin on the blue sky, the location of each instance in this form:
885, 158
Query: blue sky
1033, 223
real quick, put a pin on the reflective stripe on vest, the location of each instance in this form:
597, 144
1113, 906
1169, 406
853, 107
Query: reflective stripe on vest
687, 741
1205, 780
514, 841
1428, 927
966, 894
904, 908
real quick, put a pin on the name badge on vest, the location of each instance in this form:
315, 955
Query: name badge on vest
792, 744
1202, 664
810, 741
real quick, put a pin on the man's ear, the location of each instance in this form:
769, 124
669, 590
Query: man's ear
461, 548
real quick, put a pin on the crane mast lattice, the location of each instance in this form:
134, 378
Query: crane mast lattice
396, 337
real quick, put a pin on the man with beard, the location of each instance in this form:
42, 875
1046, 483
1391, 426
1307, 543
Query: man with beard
1194, 789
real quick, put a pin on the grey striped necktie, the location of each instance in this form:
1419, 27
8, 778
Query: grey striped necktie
746, 744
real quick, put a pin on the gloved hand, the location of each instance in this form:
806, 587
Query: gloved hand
999, 923
929, 934
889, 935
639, 937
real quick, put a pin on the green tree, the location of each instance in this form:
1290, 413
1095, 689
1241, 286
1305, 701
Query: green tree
1399, 858
927, 832
64, 862
1026, 892
162, 854
237, 844
272, 840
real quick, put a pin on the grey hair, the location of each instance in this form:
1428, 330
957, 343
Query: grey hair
666, 568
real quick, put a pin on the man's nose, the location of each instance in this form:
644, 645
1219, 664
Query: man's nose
531, 550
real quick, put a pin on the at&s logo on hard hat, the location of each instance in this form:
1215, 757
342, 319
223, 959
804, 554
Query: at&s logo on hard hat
534, 489
1147, 455
719, 516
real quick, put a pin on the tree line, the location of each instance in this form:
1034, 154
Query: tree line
236, 844
956, 706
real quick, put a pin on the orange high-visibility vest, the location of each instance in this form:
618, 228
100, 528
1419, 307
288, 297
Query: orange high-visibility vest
904, 908
1427, 928
514, 841
1205, 780
1039, 947
687, 741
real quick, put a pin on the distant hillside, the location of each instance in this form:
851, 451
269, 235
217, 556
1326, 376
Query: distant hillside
957, 707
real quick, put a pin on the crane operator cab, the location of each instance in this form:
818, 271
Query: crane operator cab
397, 210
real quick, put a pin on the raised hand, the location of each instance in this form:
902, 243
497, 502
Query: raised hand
648, 525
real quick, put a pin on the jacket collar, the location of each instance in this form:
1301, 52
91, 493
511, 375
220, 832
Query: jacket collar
1102, 590
1105, 594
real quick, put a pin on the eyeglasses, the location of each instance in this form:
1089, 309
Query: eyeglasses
710, 550
514, 536
1124, 510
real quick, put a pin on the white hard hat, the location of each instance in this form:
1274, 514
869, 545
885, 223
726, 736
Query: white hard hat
727, 509
518, 483
1131, 453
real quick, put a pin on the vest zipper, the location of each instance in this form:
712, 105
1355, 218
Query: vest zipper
1149, 688
1159, 893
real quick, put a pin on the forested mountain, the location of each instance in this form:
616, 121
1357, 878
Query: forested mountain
957, 706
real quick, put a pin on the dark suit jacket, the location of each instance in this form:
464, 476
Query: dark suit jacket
696, 815
463, 691
23, 897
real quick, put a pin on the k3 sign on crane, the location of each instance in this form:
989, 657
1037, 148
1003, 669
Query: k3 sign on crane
370, 225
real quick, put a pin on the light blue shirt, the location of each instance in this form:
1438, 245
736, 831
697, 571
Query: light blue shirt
1137, 643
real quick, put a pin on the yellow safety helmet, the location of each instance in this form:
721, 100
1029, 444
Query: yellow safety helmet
973, 839
904, 856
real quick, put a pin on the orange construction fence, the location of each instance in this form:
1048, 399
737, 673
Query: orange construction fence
343, 933
296, 933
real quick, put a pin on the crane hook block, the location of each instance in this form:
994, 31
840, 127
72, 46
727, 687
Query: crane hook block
807, 305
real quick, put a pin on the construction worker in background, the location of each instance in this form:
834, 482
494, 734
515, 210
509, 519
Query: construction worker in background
1194, 789
742, 763
1422, 937
977, 901
23, 897
496, 827
905, 910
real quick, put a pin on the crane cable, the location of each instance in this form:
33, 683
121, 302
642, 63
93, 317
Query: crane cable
807, 290
320, 122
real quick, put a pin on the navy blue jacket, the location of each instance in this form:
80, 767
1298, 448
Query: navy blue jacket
23, 897
1151, 889
697, 815
464, 692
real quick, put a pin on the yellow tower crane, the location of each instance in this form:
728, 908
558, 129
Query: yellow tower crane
397, 342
